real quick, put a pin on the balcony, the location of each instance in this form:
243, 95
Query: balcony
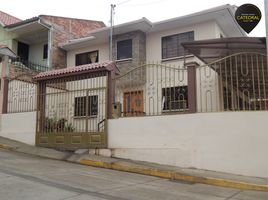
25, 64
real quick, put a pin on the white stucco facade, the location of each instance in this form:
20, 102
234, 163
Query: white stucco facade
19, 126
233, 142
36, 53
102, 48
202, 31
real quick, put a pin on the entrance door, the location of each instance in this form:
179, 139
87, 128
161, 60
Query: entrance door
133, 103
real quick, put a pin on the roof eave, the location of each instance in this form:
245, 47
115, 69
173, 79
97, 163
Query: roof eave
8, 52
21, 24
93, 34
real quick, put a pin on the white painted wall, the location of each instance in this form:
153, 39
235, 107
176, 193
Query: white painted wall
19, 126
233, 142
102, 48
36, 54
206, 30
219, 32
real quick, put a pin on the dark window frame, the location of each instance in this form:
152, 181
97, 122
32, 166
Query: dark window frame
45, 51
175, 98
171, 45
124, 49
80, 104
23, 52
84, 58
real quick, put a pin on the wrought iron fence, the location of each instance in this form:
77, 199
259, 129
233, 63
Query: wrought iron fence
237, 82
22, 90
152, 89
73, 104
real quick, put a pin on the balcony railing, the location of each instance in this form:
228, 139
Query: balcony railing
29, 65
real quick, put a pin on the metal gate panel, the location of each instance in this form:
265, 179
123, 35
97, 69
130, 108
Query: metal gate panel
72, 111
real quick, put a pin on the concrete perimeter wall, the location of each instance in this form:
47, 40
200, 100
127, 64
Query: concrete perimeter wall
233, 142
19, 126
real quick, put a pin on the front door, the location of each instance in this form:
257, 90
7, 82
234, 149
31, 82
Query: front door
133, 103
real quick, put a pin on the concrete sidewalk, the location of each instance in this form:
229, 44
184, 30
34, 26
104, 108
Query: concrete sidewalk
163, 171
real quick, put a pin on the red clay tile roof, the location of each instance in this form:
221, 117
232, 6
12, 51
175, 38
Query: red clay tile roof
6, 19
104, 66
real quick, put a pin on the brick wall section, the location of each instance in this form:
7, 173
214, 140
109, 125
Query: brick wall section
23, 74
65, 29
138, 50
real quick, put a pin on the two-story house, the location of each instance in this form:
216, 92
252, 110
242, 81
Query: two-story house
142, 41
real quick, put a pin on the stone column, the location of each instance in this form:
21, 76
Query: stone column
4, 85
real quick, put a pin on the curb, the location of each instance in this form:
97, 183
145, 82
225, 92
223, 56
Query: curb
172, 175
175, 175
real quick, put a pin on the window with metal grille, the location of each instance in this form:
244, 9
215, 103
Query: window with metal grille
171, 45
86, 106
86, 58
174, 98
124, 49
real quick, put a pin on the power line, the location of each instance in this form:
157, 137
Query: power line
145, 4
123, 2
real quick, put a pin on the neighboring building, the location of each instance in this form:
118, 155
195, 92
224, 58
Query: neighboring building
36, 40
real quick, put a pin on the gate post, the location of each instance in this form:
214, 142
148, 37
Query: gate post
111, 93
41, 105
4, 84
192, 95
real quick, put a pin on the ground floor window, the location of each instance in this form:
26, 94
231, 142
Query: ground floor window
86, 106
174, 98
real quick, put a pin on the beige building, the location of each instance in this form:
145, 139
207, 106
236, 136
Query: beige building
142, 41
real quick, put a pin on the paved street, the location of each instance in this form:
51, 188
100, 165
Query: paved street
24, 177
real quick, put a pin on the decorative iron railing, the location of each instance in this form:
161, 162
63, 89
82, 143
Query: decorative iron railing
237, 82
74, 104
25, 64
22, 89
152, 89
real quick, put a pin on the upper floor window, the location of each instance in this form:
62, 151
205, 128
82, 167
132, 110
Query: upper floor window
124, 49
171, 45
86, 58
45, 50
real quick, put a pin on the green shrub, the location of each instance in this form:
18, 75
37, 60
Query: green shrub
58, 125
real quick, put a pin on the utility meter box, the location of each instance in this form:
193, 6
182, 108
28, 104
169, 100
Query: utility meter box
117, 108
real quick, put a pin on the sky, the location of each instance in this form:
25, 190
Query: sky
126, 10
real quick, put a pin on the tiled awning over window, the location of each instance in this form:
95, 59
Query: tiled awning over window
70, 71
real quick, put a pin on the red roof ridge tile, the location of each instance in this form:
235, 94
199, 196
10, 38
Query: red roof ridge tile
75, 69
